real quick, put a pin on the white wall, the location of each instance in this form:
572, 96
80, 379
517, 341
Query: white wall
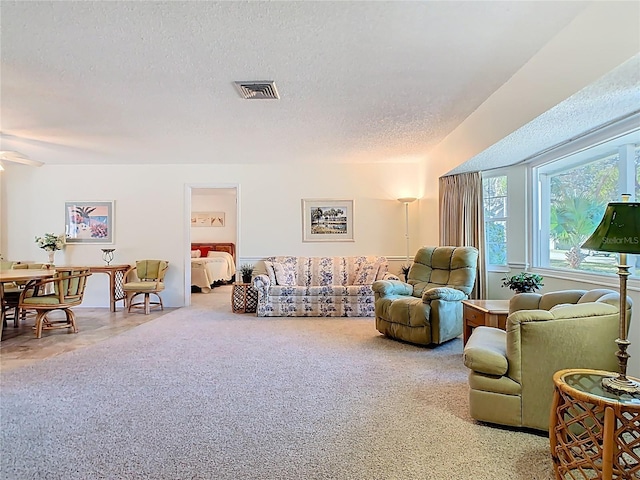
152, 220
208, 200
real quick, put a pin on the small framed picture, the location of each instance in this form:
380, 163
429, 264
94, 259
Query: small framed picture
327, 220
207, 219
88, 222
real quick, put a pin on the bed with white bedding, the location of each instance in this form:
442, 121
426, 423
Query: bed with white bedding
211, 263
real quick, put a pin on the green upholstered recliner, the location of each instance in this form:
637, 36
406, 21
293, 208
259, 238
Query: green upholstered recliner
511, 377
146, 278
427, 309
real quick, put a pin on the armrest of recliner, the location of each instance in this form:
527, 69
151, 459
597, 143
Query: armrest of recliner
486, 351
443, 293
391, 287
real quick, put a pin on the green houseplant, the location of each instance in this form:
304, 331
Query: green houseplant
523, 282
246, 271
405, 271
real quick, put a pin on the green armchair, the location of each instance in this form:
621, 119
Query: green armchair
427, 309
511, 372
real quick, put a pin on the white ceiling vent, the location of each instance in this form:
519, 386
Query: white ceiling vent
258, 90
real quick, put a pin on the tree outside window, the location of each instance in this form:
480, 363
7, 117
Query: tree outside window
573, 195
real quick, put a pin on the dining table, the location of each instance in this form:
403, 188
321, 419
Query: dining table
21, 275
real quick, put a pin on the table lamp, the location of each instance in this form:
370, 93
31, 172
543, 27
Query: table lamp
619, 232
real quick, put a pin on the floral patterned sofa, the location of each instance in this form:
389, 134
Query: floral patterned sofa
319, 286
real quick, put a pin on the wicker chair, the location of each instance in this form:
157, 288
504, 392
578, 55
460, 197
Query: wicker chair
62, 292
145, 278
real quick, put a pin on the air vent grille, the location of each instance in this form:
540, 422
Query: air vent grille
257, 90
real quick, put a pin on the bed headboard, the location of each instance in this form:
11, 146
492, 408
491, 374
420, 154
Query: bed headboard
204, 248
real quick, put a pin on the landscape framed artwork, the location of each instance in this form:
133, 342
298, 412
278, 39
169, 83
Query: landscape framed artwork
207, 219
88, 222
327, 220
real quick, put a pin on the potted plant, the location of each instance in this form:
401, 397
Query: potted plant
523, 282
246, 271
405, 271
51, 243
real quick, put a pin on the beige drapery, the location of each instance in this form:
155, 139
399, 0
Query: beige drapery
462, 219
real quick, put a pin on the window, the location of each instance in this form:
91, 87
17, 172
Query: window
494, 196
572, 194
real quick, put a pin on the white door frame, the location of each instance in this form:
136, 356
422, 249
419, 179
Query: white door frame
188, 191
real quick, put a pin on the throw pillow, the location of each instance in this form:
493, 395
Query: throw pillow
195, 253
366, 273
285, 274
270, 271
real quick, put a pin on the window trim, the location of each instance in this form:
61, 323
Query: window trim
495, 267
589, 146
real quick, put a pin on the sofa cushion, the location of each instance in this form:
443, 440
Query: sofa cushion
285, 274
195, 253
366, 273
339, 290
326, 271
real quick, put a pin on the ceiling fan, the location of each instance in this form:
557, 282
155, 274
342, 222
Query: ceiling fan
17, 157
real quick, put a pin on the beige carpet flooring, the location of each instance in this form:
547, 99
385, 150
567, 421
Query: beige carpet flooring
202, 393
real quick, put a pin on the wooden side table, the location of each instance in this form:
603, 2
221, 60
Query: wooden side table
116, 281
593, 433
490, 313
244, 298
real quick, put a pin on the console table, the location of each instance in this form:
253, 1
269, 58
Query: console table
593, 433
116, 281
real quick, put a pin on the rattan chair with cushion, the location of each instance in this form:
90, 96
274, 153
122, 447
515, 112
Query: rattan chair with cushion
62, 292
146, 278
13, 290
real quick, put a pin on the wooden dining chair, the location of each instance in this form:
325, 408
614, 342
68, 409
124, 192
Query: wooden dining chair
62, 292
12, 293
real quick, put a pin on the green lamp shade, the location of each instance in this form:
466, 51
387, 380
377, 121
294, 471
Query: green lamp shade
619, 229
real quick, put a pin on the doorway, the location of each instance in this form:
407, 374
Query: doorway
212, 216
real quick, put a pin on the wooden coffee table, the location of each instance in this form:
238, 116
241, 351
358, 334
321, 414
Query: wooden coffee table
490, 313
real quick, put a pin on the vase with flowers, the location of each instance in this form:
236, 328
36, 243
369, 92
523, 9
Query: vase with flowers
51, 243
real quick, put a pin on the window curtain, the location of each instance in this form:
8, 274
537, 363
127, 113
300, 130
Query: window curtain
462, 219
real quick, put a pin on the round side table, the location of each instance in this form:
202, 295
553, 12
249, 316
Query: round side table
593, 433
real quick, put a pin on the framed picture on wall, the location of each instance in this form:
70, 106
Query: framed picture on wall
207, 219
327, 220
88, 222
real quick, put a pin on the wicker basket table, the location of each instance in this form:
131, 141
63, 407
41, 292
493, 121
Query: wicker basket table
593, 433
244, 298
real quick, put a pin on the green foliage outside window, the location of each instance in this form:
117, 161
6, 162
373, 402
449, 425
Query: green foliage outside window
578, 199
495, 217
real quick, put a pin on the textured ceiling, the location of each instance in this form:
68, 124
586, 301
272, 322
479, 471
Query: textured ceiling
152, 82
613, 97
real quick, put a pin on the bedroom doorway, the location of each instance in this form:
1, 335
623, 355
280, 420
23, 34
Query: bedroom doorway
212, 233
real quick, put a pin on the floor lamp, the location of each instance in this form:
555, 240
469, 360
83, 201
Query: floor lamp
619, 232
407, 201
